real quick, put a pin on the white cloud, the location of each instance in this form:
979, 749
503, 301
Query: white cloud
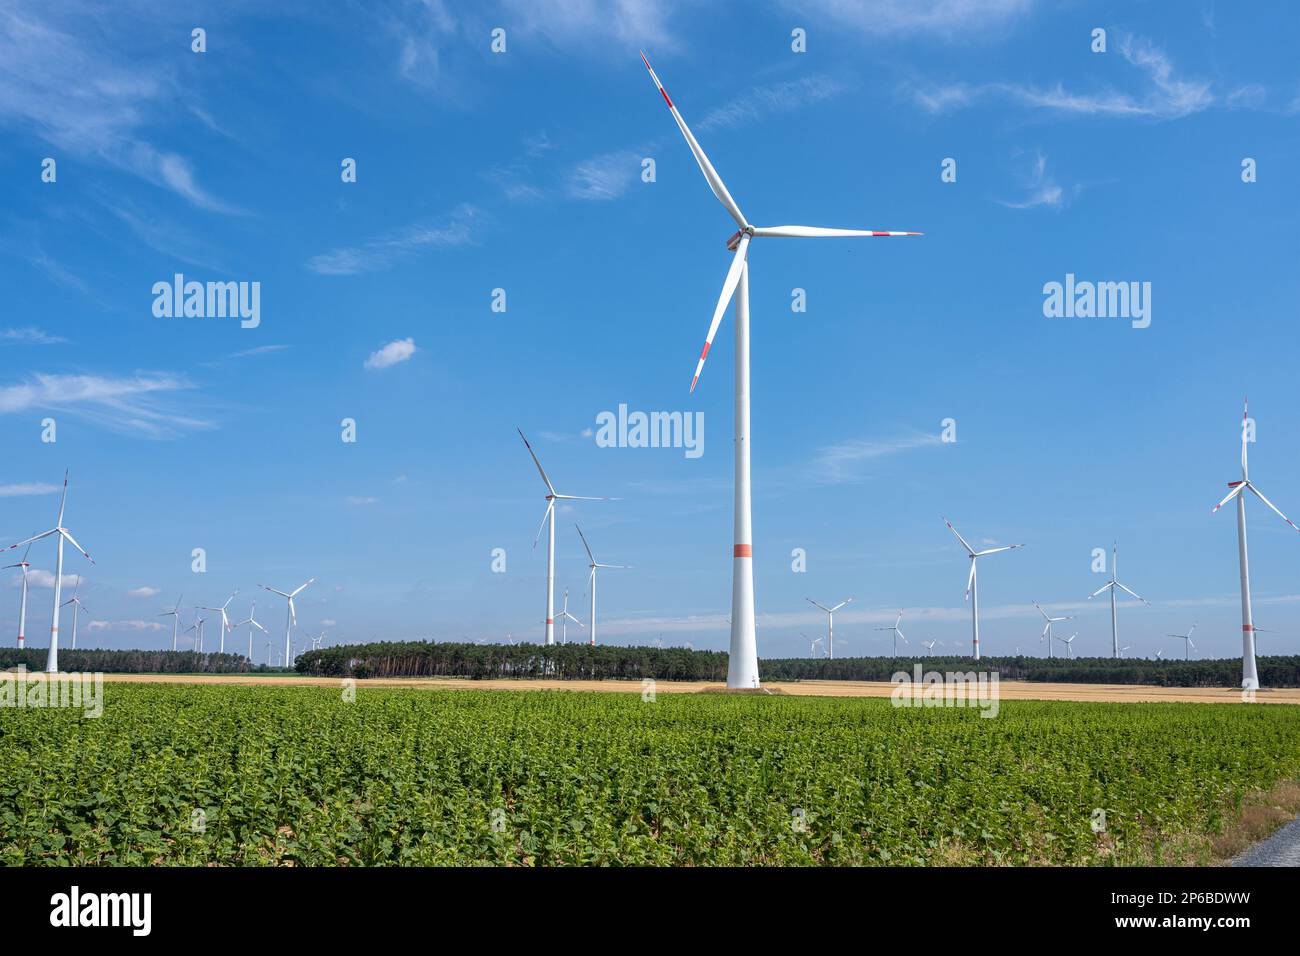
950, 19
144, 592
132, 625
398, 350
1043, 190
361, 500
131, 404
606, 176
24, 489
328, 622
843, 461
39, 578
30, 335
776, 98
458, 229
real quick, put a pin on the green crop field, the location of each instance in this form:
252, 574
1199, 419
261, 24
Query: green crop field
274, 775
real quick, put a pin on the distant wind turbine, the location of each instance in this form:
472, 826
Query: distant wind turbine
830, 622
972, 586
63, 534
742, 666
929, 646
548, 522
1069, 642
1114, 585
76, 606
290, 617
1188, 645
22, 606
175, 615
591, 583
1047, 628
896, 632
812, 645
252, 622
225, 619
566, 617
1249, 674
197, 628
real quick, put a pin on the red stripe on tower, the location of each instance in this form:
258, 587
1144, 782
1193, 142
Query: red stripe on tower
550, 620
743, 551
1248, 627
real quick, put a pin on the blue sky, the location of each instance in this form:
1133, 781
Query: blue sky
522, 171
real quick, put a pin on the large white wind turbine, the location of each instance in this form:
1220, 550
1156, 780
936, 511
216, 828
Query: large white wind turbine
591, 583
972, 586
897, 632
830, 623
225, 620
1249, 675
76, 606
62, 533
742, 667
1188, 645
1114, 585
565, 618
1047, 628
22, 606
175, 615
548, 522
252, 622
290, 617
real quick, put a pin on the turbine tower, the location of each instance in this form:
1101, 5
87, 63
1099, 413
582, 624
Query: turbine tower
1249, 675
830, 624
197, 628
548, 522
1188, 645
972, 586
742, 666
175, 615
1114, 585
897, 633
22, 606
591, 582
52, 658
1047, 628
290, 617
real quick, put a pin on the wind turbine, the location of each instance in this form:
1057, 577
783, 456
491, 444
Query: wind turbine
1068, 642
52, 658
1126, 647
548, 522
742, 666
252, 622
1047, 628
197, 627
565, 618
929, 646
591, 582
175, 615
76, 606
1188, 646
1249, 675
1114, 585
1160, 654
290, 617
897, 633
22, 607
972, 587
812, 645
830, 623
268, 653
225, 620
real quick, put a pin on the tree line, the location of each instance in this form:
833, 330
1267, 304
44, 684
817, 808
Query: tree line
95, 660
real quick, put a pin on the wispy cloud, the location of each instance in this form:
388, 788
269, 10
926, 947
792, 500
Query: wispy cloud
360, 501
30, 335
776, 98
144, 591
458, 229
844, 461
23, 490
259, 350
135, 404
1166, 95
606, 176
1042, 189
131, 625
949, 19
399, 350
40, 578
67, 88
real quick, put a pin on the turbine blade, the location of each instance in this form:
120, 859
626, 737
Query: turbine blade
35, 537
274, 591
550, 506
540, 470
1238, 488
970, 581
818, 232
1135, 594
969, 549
585, 545
1010, 547
1260, 496
728, 290
301, 588
1099, 590
815, 604
710, 174
73, 542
